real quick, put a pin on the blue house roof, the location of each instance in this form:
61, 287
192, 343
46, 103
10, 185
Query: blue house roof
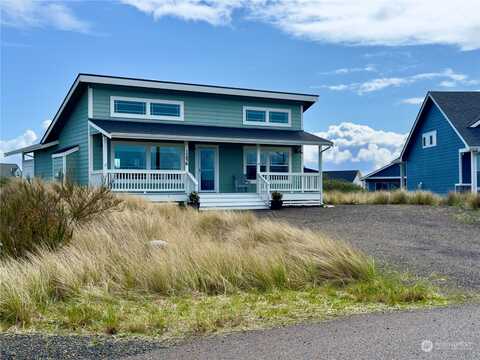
460, 108
388, 171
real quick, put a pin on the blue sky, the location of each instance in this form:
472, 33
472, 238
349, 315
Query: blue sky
370, 64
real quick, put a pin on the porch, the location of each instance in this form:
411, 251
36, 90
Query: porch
227, 173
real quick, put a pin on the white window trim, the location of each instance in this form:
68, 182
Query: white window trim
266, 149
147, 102
427, 137
267, 116
148, 150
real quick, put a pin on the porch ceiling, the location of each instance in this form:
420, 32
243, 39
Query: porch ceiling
182, 132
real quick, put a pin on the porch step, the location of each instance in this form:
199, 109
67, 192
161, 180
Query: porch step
231, 201
301, 203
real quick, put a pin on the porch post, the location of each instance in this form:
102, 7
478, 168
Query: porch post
104, 156
186, 156
90, 152
320, 173
474, 169
258, 167
402, 186
302, 178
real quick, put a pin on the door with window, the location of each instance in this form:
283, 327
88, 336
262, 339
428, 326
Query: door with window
207, 168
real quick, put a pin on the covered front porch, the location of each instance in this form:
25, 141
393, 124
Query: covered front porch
226, 175
469, 171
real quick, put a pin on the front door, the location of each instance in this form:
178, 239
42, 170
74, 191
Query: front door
207, 168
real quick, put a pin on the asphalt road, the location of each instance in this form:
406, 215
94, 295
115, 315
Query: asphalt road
447, 333
423, 240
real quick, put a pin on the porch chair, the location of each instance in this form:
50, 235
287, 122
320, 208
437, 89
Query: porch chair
241, 184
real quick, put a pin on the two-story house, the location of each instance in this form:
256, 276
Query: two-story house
163, 140
442, 152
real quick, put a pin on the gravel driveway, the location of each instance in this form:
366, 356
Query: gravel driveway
421, 239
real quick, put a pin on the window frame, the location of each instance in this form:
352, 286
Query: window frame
148, 148
267, 111
426, 139
267, 150
148, 103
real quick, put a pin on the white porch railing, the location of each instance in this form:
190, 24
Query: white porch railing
263, 188
145, 180
293, 182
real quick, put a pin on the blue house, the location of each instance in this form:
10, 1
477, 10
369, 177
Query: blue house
387, 178
441, 153
163, 140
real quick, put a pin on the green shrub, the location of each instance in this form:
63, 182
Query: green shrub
340, 185
34, 214
424, 198
399, 197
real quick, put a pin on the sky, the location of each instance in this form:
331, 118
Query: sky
371, 62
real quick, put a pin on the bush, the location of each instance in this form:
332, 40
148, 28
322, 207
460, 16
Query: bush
277, 201
34, 214
339, 185
194, 200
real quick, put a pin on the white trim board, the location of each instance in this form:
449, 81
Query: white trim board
31, 148
65, 153
394, 162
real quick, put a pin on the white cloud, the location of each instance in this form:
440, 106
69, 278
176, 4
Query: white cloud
46, 123
27, 138
451, 79
357, 145
344, 71
31, 13
210, 11
413, 101
369, 22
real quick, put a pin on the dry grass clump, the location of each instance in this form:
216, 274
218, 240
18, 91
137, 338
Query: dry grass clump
383, 198
209, 253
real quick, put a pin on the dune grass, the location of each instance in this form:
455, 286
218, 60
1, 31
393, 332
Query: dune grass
219, 270
463, 200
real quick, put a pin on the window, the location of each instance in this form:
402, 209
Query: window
140, 108
429, 139
255, 116
159, 109
278, 117
266, 117
166, 157
278, 161
130, 107
271, 160
130, 156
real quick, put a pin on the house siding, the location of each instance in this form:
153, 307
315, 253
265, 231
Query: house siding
392, 170
73, 133
435, 168
199, 109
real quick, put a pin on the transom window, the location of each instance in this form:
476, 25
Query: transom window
266, 116
271, 160
146, 156
429, 139
140, 108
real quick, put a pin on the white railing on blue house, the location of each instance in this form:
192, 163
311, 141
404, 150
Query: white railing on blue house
293, 182
263, 189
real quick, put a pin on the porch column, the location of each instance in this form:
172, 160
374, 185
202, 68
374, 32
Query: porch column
474, 162
320, 173
258, 168
90, 160
402, 175
186, 156
104, 156
302, 178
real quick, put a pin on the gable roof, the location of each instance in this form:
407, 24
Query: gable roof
460, 108
82, 80
8, 169
389, 167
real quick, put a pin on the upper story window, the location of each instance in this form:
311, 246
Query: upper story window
139, 108
429, 139
266, 116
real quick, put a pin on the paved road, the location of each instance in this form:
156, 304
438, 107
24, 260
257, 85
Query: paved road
419, 239
448, 333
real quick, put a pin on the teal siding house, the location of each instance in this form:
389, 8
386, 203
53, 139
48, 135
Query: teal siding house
163, 140
442, 152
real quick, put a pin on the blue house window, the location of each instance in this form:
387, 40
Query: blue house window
429, 139
266, 116
139, 108
166, 157
130, 156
